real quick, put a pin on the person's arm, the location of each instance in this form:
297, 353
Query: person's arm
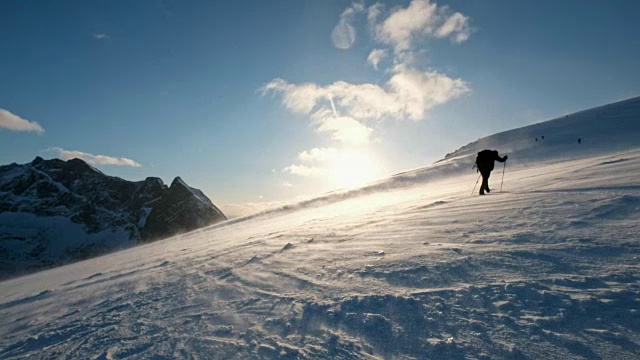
501, 159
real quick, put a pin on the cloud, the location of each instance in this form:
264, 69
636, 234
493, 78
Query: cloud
343, 34
304, 170
421, 19
101, 36
404, 24
94, 159
420, 91
14, 122
318, 154
355, 8
456, 26
376, 56
342, 128
345, 111
319, 157
408, 93
287, 184
297, 98
373, 13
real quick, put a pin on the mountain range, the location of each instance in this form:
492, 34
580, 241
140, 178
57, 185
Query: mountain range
54, 211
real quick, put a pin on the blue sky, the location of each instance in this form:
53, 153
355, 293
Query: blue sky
234, 96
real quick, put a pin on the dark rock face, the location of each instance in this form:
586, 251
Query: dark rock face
181, 208
54, 211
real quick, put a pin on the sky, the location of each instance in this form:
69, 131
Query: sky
259, 102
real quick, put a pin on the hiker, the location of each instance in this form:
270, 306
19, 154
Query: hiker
579, 140
485, 162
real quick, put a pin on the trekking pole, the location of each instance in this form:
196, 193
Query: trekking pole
474, 186
502, 181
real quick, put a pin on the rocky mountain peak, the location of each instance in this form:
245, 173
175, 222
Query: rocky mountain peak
37, 160
99, 212
179, 183
80, 166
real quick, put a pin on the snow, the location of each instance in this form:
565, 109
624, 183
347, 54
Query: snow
145, 212
26, 240
408, 267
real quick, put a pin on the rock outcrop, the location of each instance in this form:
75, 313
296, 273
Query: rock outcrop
54, 211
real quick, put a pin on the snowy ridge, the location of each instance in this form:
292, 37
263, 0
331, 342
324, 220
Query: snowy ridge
603, 129
549, 268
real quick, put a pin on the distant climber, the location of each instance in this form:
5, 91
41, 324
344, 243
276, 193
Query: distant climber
485, 162
536, 139
579, 141
542, 137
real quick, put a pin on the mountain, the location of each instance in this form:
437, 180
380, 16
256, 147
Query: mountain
55, 211
410, 267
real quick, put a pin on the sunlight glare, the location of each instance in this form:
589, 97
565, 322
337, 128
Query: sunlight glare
354, 168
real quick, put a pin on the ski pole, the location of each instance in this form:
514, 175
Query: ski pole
474, 186
502, 181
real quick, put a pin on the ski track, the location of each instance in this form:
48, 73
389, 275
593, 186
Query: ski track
549, 268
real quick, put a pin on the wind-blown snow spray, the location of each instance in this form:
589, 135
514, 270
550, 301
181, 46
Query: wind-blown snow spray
504, 166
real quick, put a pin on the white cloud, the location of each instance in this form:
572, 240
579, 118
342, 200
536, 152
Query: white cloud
94, 159
421, 19
318, 154
319, 157
101, 36
408, 93
376, 56
403, 24
287, 184
344, 110
298, 98
355, 8
342, 128
14, 122
420, 91
373, 12
303, 170
456, 26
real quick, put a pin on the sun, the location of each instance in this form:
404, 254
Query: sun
354, 168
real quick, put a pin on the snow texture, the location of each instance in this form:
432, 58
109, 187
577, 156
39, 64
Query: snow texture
408, 267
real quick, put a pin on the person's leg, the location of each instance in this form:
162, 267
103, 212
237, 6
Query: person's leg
485, 182
486, 187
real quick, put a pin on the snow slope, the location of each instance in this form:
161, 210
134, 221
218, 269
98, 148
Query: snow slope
408, 267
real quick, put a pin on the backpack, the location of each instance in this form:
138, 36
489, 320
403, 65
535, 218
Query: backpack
482, 155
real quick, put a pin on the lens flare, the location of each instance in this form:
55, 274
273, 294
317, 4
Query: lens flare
343, 36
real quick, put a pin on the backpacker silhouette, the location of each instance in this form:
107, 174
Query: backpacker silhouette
485, 162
